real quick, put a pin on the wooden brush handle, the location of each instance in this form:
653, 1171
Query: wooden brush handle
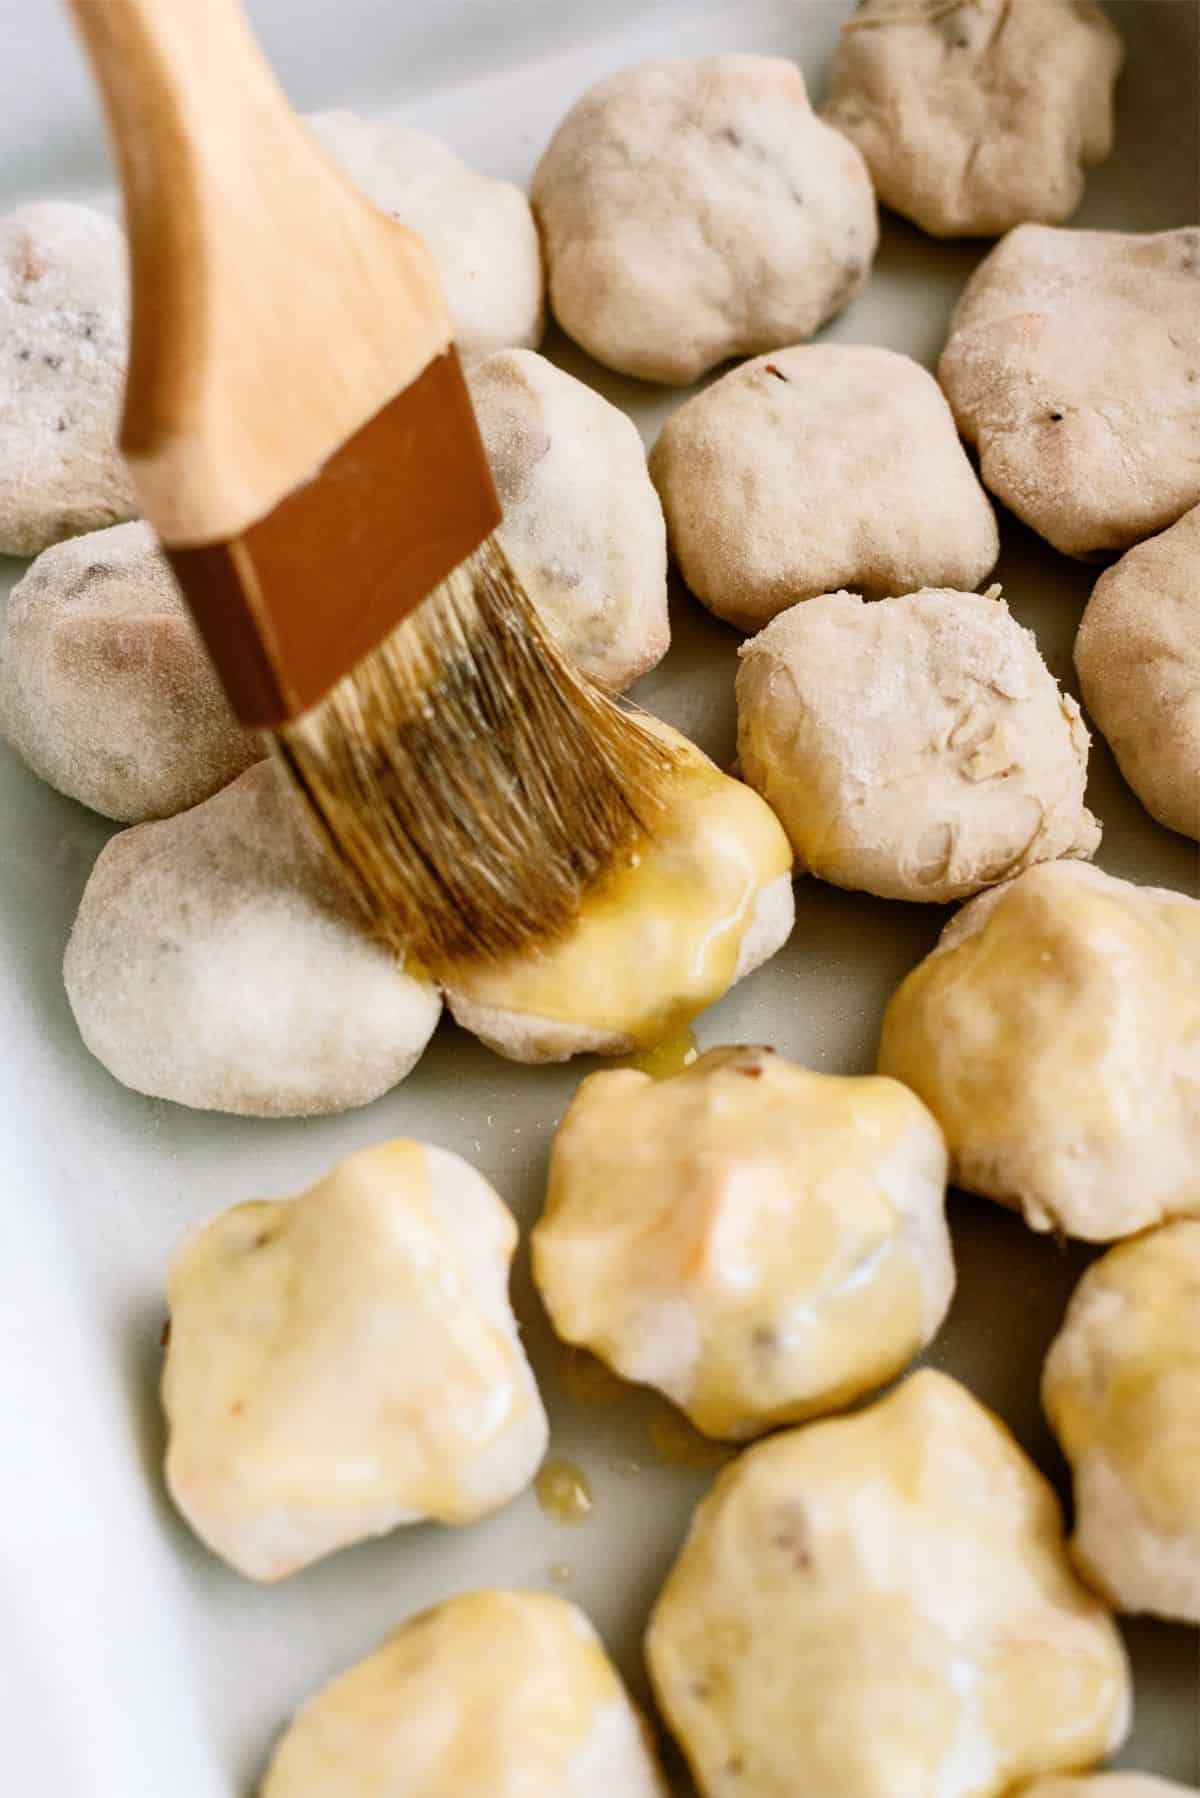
275, 311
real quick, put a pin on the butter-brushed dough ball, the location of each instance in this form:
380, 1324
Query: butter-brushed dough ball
760, 1242
882, 1605
977, 115
582, 527
1108, 1785
63, 328
916, 748
106, 690
1073, 364
488, 1695
1138, 659
701, 903
1053, 1033
817, 468
348, 1361
1121, 1388
216, 961
693, 211
480, 231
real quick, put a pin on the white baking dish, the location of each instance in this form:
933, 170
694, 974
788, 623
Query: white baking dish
131, 1662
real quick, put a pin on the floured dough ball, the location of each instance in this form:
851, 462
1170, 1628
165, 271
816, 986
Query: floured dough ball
977, 116
582, 524
1121, 1388
917, 748
63, 327
693, 211
488, 1695
1053, 1034
347, 1361
480, 231
106, 690
1138, 659
1074, 365
813, 469
760, 1242
700, 904
882, 1604
215, 961
1108, 1785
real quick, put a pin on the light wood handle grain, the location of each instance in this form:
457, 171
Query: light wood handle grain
275, 311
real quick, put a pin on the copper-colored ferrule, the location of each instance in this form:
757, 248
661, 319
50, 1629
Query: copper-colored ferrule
294, 603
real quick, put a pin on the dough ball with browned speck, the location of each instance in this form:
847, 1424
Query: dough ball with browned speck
480, 231
1121, 1388
583, 527
916, 748
693, 211
347, 1361
1053, 1032
760, 1242
1073, 363
1138, 659
881, 1606
489, 1695
216, 961
817, 468
63, 327
977, 115
106, 690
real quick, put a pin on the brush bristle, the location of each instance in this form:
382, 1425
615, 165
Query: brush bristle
470, 783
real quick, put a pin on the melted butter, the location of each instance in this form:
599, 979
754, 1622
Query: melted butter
1137, 1399
588, 1381
677, 1444
563, 1491
671, 1056
492, 1692
657, 941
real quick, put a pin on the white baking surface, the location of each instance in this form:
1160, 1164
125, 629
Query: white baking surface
131, 1662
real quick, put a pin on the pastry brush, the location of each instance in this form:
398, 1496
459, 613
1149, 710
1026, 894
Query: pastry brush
300, 436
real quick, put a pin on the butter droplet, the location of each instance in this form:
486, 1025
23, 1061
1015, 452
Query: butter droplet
563, 1491
677, 1444
671, 1056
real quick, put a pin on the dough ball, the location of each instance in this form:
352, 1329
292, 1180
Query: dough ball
760, 1242
977, 116
1138, 658
1121, 1388
348, 1361
917, 748
882, 1604
480, 231
1052, 1033
63, 327
106, 690
491, 1695
1074, 365
1108, 1785
817, 468
582, 524
215, 961
702, 903
693, 211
